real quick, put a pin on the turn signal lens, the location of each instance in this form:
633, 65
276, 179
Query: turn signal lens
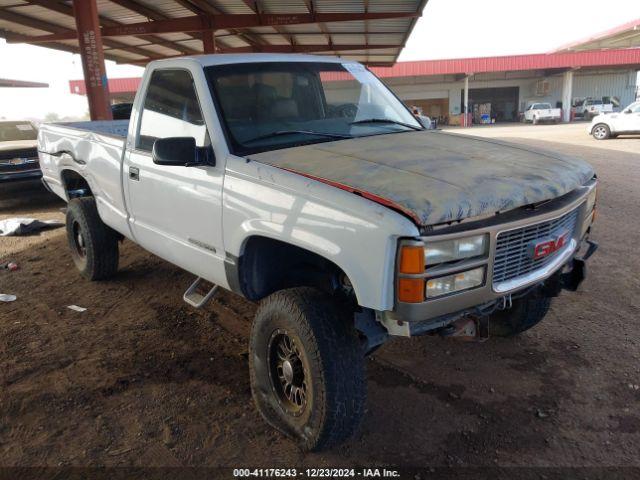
411, 290
412, 259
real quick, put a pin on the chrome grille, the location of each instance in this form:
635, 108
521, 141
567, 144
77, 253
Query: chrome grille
513, 249
19, 153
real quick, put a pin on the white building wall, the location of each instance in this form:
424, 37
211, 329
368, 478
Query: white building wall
595, 84
621, 85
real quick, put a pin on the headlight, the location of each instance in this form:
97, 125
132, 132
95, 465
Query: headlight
455, 283
591, 199
455, 249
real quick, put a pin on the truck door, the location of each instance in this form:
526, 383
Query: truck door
175, 211
629, 122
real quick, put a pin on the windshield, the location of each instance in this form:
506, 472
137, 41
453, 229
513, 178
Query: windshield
274, 105
634, 107
542, 106
12, 131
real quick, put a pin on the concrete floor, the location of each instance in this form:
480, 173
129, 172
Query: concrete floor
572, 134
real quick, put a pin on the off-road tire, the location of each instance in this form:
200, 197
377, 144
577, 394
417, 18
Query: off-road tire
525, 313
333, 361
97, 259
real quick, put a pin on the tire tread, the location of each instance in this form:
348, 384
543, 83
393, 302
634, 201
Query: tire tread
102, 242
334, 342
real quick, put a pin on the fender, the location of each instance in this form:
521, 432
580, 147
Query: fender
351, 231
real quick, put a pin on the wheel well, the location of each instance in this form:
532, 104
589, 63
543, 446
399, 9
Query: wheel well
75, 184
267, 265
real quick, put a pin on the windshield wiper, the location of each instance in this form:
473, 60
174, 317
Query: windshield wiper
384, 120
279, 133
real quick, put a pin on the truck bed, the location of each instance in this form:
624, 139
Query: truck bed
92, 149
114, 128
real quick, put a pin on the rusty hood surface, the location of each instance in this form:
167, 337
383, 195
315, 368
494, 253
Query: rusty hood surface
434, 176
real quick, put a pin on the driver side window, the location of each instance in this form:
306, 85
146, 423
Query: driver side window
171, 109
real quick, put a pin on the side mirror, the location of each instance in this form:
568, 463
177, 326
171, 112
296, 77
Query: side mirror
181, 151
628, 110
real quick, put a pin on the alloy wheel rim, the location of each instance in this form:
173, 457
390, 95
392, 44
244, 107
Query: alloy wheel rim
79, 241
287, 372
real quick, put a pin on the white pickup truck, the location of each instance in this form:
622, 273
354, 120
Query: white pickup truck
591, 107
303, 183
541, 112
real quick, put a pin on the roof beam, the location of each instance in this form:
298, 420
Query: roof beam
202, 7
140, 9
311, 8
222, 22
255, 7
350, 32
31, 22
154, 15
57, 30
65, 9
67, 48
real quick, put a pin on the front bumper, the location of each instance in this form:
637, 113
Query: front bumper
438, 312
20, 175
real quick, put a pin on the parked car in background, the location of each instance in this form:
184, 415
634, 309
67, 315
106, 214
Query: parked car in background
330, 204
541, 112
614, 124
18, 151
121, 111
592, 107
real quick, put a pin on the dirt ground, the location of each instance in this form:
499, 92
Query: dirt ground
142, 379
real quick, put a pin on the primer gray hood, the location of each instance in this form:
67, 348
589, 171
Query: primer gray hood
437, 177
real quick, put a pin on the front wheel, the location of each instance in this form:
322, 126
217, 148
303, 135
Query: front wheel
601, 132
307, 368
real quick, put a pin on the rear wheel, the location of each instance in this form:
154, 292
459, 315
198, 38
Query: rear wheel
601, 131
525, 313
307, 368
94, 246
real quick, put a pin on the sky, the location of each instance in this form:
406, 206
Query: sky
447, 29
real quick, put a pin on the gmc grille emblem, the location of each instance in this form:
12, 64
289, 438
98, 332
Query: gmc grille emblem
546, 247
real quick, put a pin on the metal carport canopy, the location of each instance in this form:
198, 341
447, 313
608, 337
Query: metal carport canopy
626, 35
9, 83
137, 31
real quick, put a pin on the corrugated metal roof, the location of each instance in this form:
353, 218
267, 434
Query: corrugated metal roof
543, 61
515, 63
626, 35
362, 25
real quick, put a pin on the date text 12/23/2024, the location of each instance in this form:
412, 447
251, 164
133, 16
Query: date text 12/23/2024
315, 473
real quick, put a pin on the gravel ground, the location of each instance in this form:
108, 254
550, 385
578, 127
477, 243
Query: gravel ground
141, 379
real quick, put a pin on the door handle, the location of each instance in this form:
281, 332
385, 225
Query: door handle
134, 174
